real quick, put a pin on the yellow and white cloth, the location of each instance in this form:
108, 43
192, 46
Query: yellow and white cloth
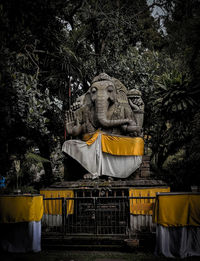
144, 206
109, 155
20, 223
178, 224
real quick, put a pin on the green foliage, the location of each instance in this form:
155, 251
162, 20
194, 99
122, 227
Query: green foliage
172, 105
25, 100
193, 150
174, 94
32, 105
28, 189
31, 156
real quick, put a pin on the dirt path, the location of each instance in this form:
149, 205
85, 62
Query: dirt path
61, 255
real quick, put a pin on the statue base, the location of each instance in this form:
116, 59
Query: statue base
115, 184
104, 208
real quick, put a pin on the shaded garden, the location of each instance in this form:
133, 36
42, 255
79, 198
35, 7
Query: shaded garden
51, 50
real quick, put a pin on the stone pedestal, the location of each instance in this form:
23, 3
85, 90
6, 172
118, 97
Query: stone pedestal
145, 167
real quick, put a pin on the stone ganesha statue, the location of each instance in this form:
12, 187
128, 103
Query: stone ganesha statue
107, 106
112, 118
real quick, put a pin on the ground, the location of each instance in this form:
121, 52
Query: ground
62, 255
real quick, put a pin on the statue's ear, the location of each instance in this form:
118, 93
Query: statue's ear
122, 97
87, 98
121, 91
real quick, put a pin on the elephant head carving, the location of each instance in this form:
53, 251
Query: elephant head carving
106, 106
104, 96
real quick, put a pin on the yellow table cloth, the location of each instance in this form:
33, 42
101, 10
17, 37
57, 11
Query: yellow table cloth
144, 206
177, 210
14, 209
54, 207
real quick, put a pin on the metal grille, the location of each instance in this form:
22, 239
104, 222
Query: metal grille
95, 213
91, 215
100, 216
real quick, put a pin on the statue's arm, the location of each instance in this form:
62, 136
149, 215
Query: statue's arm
132, 128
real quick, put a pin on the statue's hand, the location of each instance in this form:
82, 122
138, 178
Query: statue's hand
73, 127
136, 104
134, 129
69, 127
69, 121
139, 103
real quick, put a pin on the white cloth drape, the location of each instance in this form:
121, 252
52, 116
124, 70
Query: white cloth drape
99, 163
177, 241
21, 237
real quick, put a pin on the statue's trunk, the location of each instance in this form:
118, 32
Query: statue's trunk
101, 112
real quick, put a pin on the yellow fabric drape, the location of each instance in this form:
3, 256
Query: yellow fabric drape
124, 146
115, 145
144, 206
54, 207
177, 210
90, 139
14, 209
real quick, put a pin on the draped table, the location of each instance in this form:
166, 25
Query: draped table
20, 222
177, 218
141, 209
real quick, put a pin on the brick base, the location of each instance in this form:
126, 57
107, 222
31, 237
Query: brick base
144, 170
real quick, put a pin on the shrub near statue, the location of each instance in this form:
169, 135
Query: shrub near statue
109, 109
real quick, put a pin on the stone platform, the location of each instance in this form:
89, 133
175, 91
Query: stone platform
98, 183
